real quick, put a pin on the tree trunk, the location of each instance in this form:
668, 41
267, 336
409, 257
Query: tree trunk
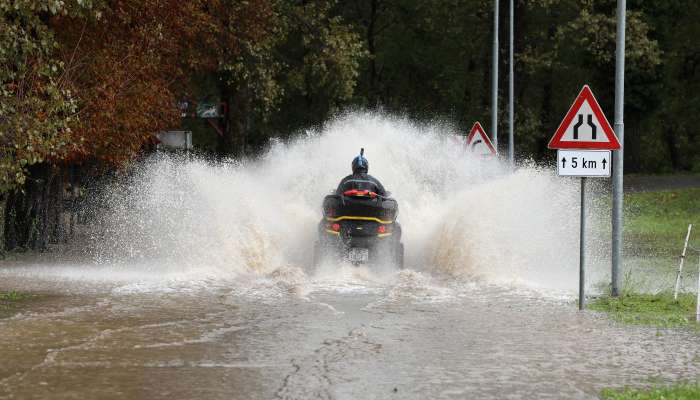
3, 203
372, 93
633, 146
233, 140
29, 223
671, 141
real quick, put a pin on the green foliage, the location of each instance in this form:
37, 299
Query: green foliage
305, 50
300, 64
670, 138
35, 109
330, 53
13, 296
12, 302
648, 309
282, 65
321, 55
250, 65
683, 391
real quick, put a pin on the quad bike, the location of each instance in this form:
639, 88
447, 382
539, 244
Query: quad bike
359, 227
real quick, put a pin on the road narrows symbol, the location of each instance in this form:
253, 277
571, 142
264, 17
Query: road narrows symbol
584, 111
478, 142
594, 128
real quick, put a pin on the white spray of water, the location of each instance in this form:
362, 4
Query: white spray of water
462, 216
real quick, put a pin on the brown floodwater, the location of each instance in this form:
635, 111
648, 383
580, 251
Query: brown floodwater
93, 333
196, 283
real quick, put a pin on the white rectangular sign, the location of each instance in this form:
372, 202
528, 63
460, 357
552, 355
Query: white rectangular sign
589, 163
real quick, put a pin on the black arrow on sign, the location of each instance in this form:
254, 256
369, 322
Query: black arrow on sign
563, 162
604, 162
578, 125
474, 143
594, 128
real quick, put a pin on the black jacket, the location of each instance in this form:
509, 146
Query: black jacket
361, 181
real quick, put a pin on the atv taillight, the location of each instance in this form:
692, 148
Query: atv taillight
335, 227
381, 229
359, 193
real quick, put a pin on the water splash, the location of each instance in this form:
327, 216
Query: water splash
465, 217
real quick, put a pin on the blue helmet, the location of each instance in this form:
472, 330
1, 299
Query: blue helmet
360, 163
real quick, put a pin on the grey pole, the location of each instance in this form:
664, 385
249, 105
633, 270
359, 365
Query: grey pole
494, 80
618, 155
582, 250
511, 92
697, 295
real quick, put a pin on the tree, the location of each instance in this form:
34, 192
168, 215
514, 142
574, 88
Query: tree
322, 57
130, 67
37, 110
294, 63
36, 107
92, 83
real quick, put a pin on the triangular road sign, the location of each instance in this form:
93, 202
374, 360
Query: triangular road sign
478, 142
585, 126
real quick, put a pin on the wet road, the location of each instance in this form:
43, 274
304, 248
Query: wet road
405, 335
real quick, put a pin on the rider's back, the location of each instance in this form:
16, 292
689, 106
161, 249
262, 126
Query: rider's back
361, 181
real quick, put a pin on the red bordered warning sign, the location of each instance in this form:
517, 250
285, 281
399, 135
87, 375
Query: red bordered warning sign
478, 142
585, 126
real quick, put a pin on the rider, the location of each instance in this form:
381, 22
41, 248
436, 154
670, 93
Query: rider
360, 179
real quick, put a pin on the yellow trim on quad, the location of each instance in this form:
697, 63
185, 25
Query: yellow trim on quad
332, 232
344, 217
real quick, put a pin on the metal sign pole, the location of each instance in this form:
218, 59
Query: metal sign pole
494, 79
697, 298
582, 250
511, 91
618, 156
584, 156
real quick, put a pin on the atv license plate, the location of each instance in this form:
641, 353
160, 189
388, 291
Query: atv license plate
357, 254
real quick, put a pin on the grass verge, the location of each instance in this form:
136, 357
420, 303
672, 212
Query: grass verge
684, 391
13, 296
658, 221
659, 310
10, 301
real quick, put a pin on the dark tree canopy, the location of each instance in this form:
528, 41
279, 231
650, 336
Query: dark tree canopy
87, 84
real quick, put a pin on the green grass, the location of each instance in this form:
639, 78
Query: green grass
658, 221
659, 309
684, 391
13, 296
8, 298
12, 302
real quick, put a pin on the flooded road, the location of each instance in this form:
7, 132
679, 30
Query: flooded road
192, 279
406, 335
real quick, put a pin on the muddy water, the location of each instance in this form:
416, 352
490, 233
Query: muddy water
352, 335
194, 282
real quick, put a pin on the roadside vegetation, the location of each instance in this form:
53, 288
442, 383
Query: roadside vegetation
10, 301
656, 222
684, 391
659, 309
655, 227
12, 297
73, 109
